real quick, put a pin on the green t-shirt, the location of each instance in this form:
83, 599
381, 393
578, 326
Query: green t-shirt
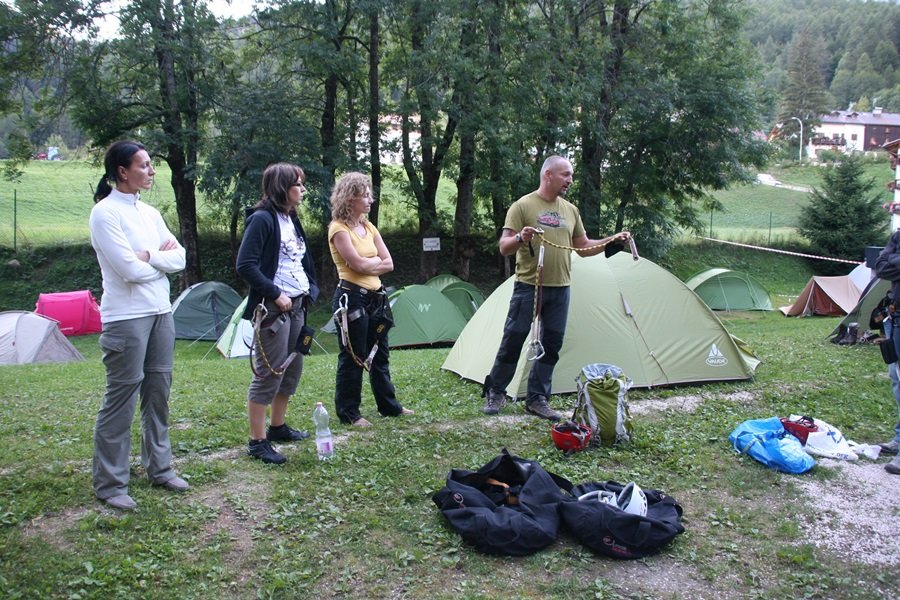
561, 222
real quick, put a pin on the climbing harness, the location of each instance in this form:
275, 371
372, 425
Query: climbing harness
535, 346
341, 318
259, 315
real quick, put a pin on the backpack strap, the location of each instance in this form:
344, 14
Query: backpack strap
562, 482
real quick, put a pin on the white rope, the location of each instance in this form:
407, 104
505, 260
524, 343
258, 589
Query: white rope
840, 260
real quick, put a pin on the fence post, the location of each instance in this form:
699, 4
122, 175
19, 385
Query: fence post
770, 228
15, 223
710, 222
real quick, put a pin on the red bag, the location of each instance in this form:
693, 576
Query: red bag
799, 428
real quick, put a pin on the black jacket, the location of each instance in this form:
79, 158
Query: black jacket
257, 259
887, 265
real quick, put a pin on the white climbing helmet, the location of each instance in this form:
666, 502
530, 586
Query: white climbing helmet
601, 496
633, 500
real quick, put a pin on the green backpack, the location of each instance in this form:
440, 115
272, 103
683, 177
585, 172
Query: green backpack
603, 404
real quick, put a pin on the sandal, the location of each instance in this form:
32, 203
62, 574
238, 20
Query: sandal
360, 422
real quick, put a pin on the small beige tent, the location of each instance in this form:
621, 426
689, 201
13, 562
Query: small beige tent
632, 314
825, 296
27, 337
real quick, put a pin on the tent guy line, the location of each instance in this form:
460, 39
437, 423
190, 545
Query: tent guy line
840, 260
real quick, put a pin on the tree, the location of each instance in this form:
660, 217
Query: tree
670, 118
866, 80
843, 86
36, 44
157, 83
844, 215
804, 95
424, 50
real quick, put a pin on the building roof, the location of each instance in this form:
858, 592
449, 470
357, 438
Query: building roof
846, 117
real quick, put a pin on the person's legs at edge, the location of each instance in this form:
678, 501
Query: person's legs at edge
515, 332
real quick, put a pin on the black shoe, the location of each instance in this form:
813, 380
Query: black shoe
493, 402
537, 406
283, 433
264, 451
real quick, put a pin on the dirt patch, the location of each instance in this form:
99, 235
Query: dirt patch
856, 512
688, 403
236, 519
52, 527
664, 577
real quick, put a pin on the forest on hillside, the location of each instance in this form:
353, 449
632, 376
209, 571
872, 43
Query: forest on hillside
846, 48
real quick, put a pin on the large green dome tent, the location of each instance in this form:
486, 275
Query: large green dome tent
632, 314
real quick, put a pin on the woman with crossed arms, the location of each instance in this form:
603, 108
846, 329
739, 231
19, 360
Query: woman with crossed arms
361, 306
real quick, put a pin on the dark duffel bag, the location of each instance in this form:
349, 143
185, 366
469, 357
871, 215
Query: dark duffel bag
609, 530
508, 506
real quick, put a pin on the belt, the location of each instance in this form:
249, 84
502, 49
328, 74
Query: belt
352, 287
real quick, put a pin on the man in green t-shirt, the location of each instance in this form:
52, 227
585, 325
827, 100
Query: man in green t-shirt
547, 213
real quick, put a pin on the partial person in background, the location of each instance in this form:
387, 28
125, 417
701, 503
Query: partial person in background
275, 261
542, 212
887, 266
360, 304
136, 251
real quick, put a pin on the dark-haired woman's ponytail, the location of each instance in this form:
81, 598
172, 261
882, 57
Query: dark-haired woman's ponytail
103, 189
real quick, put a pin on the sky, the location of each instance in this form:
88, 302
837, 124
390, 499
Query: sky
220, 8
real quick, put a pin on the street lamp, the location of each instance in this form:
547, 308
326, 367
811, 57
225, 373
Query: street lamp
801, 138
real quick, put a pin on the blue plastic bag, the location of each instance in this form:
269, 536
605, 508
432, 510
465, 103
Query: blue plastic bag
766, 441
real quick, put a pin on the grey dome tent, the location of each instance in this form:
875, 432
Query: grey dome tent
724, 289
27, 337
873, 294
202, 311
632, 314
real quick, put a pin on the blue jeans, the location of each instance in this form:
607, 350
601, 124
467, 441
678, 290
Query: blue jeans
892, 330
369, 319
554, 312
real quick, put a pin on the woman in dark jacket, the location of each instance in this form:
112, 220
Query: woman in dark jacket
275, 262
887, 267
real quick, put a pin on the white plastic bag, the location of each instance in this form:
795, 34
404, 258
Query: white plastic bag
870, 451
828, 442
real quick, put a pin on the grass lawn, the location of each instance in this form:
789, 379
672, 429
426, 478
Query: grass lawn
52, 202
363, 526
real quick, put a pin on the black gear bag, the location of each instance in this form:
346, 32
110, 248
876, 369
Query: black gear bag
508, 506
609, 530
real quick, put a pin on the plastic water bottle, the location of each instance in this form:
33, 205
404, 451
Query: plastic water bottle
323, 434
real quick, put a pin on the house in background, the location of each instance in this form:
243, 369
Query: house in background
893, 150
849, 131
